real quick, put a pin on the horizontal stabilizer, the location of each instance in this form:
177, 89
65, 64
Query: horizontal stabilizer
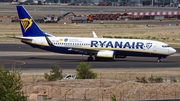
21, 38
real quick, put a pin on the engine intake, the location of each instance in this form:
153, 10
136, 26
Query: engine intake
106, 54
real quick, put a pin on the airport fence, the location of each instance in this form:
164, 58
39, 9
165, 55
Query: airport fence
122, 85
101, 94
133, 76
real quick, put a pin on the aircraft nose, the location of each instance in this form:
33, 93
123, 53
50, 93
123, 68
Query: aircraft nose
173, 51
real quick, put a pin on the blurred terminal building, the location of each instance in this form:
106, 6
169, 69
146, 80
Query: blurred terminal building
114, 2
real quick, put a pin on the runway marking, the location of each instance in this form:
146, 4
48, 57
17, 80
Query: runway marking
18, 61
4, 53
13, 63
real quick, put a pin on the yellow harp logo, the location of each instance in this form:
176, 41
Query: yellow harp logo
26, 23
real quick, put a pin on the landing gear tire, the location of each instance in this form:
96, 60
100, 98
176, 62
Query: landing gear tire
158, 60
113, 57
90, 58
97, 58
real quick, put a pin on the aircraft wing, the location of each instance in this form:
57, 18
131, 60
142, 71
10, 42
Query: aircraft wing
83, 50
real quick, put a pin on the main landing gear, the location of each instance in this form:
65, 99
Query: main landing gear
159, 59
90, 58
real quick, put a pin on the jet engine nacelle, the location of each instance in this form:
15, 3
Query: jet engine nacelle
106, 54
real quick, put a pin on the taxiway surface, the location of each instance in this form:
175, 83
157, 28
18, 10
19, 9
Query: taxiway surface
28, 58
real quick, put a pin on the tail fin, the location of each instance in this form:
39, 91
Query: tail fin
28, 25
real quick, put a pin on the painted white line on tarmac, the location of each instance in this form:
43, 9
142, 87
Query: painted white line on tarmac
4, 53
9, 53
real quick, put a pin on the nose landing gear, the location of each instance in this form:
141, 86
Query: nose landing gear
159, 59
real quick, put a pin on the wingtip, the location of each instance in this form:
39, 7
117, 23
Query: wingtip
94, 34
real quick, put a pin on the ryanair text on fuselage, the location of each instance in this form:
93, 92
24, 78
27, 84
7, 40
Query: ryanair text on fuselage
119, 44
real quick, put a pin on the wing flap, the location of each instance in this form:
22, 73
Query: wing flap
83, 50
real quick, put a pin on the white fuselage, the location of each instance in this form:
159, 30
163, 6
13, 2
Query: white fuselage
98, 44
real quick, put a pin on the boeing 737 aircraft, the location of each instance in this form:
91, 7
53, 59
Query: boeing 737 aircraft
96, 48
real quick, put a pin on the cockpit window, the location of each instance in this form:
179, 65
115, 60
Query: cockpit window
165, 46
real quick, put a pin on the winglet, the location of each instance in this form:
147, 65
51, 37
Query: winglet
94, 34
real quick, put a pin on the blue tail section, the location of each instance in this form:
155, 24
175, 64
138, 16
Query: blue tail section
28, 25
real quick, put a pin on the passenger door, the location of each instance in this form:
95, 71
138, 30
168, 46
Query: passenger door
154, 47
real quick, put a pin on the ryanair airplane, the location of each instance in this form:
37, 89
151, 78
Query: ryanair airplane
96, 48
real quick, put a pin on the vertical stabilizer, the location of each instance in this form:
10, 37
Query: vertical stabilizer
28, 25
